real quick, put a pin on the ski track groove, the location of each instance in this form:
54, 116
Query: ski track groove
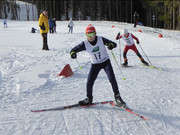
115, 121
157, 85
144, 126
54, 129
101, 124
89, 127
65, 123
160, 114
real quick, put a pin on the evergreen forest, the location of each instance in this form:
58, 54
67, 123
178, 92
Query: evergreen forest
153, 13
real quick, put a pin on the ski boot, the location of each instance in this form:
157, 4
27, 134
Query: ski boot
86, 101
144, 62
119, 101
125, 63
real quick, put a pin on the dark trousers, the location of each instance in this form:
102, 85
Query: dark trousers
135, 23
45, 45
51, 30
71, 29
93, 73
54, 28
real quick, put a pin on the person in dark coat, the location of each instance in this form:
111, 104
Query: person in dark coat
54, 25
33, 30
5, 23
51, 25
136, 19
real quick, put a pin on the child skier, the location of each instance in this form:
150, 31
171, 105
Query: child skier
128, 38
95, 47
5, 23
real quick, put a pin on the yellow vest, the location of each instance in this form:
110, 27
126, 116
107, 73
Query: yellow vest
43, 19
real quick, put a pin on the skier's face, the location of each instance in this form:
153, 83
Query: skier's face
91, 36
126, 35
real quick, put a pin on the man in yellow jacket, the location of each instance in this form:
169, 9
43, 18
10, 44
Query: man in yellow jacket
44, 28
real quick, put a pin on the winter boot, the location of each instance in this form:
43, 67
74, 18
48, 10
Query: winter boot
119, 101
86, 101
144, 62
125, 63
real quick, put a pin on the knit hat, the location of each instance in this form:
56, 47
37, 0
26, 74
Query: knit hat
90, 29
125, 31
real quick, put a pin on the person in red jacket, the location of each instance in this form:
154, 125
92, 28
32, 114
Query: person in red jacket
129, 40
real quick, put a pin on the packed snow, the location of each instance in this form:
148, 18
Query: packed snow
29, 80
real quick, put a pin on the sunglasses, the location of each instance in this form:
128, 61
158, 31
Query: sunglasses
90, 34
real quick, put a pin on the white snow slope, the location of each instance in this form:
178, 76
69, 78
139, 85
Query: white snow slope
28, 80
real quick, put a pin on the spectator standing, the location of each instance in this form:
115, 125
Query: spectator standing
71, 25
44, 28
136, 19
54, 24
5, 23
51, 25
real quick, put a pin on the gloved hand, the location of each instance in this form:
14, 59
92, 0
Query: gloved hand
137, 41
73, 55
110, 46
42, 27
118, 35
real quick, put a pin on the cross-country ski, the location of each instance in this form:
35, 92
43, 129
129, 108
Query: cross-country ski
71, 106
130, 111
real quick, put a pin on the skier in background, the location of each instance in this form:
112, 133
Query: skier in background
128, 38
44, 28
5, 23
95, 47
136, 19
71, 25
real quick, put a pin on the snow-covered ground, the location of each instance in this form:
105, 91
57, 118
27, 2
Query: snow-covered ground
28, 80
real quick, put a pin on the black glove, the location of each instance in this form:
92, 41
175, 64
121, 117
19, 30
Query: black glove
110, 46
137, 42
42, 27
73, 55
118, 35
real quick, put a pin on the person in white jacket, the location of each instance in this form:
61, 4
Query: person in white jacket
71, 25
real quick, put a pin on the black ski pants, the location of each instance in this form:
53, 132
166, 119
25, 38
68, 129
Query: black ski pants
93, 73
45, 45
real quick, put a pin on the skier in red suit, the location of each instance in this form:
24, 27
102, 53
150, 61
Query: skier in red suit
129, 40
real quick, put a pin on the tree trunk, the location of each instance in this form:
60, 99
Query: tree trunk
27, 11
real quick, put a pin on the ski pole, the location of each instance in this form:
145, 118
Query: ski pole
118, 65
145, 55
78, 64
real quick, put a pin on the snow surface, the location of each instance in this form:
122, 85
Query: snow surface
29, 80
